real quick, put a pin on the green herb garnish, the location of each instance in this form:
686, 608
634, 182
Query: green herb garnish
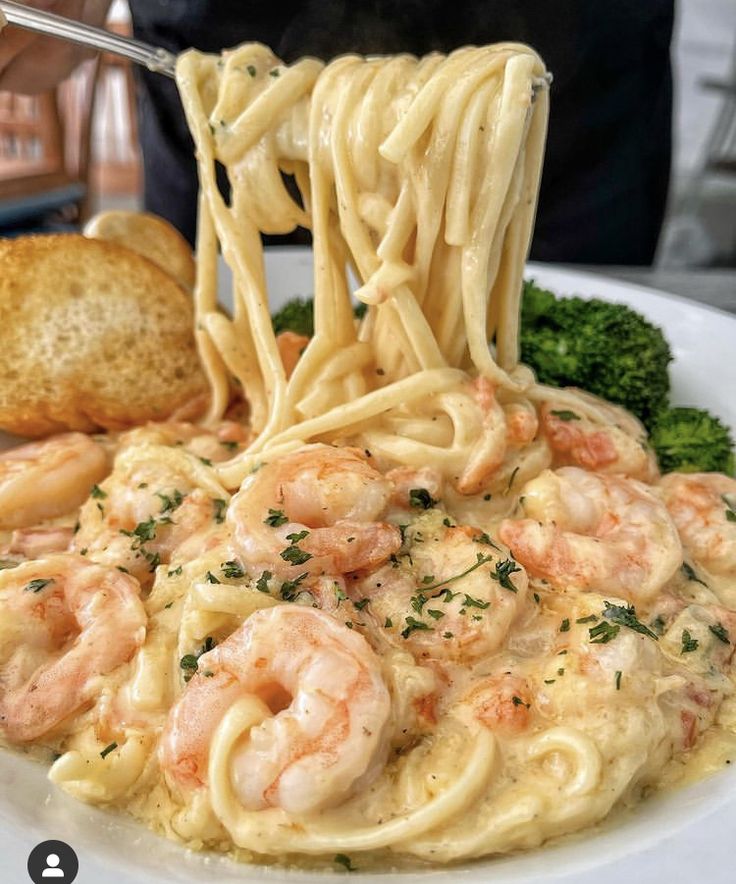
421, 499
688, 642
275, 518
38, 584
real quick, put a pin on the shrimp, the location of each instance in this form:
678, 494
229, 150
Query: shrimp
407, 479
594, 532
453, 596
291, 346
502, 703
158, 502
42, 480
314, 512
617, 446
32, 543
488, 452
331, 711
703, 506
65, 622
216, 444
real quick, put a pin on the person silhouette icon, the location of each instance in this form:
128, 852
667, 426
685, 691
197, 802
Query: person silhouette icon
52, 870
52, 860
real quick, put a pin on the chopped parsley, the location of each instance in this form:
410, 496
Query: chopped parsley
98, 493
190, 662
658, 624
233, 570
108, 749
618, 679
418, 602
480, 560
175, 573
340, 594
625, 615
296, 537
205, 460
517, 701
220, 506
591, 618
38, 584
414, 625
388, 623
565, 415
603, 633
143, 532
421, 499
688, 642
290, 589
229, 444
730, 509
511, 479
342, 858
689, 572
470, 602
361, 604
485, 539
275, 518
721, 633
262, 582
294, 555
447, 593
170, 503
251, 70
448, 635
503, 572
565, 625
210, 577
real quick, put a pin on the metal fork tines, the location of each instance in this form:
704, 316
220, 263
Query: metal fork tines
151, 57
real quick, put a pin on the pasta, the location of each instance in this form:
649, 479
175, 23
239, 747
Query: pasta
384, 153
418, 608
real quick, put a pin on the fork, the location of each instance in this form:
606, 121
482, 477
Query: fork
154, 58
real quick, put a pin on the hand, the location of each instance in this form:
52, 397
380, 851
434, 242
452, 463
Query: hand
30, 63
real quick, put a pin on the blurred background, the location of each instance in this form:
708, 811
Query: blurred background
68, 154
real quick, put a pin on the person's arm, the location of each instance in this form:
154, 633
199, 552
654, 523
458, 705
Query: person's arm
30, 63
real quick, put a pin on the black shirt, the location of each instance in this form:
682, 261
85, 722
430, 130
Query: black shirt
607, 164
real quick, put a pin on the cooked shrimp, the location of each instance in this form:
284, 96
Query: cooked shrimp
451, 597
617, 446
700, 504
487, 454
42, 480
521, 422
218, 443
501, 702
65, 622
331, 711
407, 479
157, 502
593, 532
316, 511
291, 346
32, 543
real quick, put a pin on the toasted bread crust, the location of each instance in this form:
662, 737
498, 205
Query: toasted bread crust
93, 336
150, 236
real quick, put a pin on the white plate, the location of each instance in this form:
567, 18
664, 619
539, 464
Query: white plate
682, 837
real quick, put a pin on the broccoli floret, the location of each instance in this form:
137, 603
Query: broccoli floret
691, 440
296, 316
607, 349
